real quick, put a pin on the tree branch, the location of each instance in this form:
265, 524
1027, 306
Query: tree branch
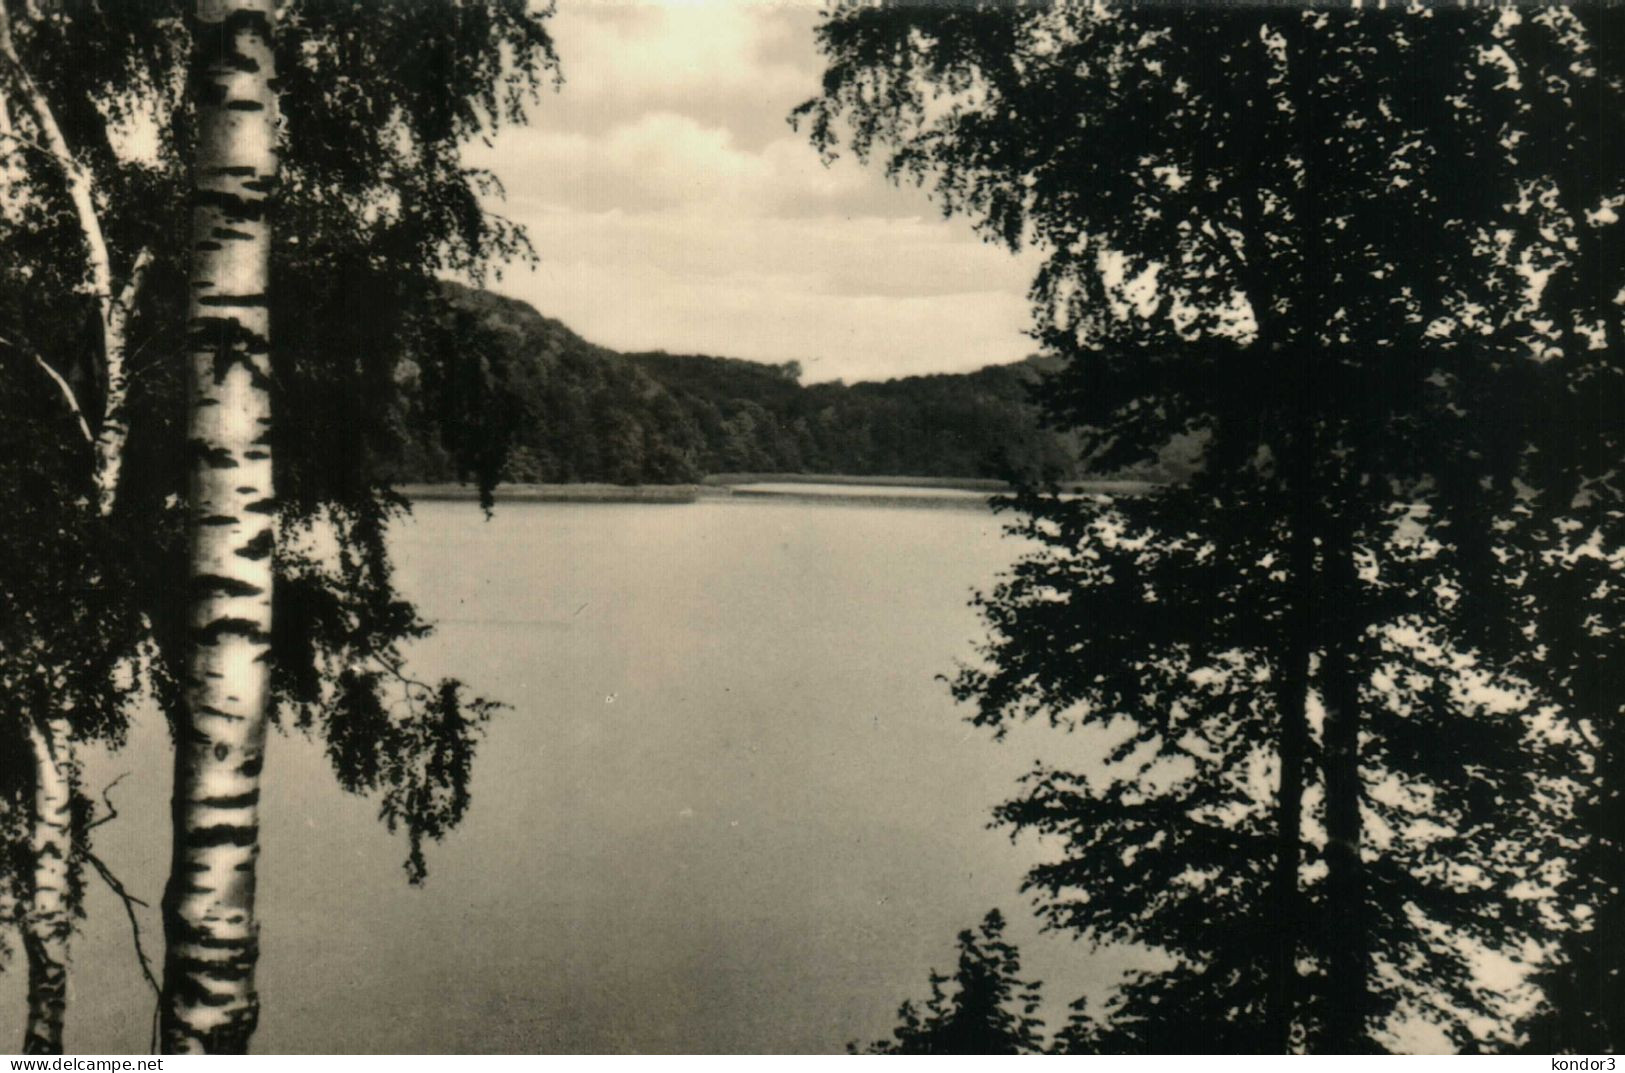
130, 901
67, 396
10, 135
62, 384
112, 813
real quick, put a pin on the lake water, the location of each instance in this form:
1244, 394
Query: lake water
731, 807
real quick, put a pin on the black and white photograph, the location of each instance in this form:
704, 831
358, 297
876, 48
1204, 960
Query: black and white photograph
812, 527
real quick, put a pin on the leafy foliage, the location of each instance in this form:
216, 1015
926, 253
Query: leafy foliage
1340, 752
989, 1011
373, 205
578, 412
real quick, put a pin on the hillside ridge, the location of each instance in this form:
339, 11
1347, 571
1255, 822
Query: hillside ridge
579, 412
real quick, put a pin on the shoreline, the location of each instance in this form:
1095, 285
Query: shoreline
909, 491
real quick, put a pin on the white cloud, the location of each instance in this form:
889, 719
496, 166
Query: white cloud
667, 160
674, 209
718, 60
775, 318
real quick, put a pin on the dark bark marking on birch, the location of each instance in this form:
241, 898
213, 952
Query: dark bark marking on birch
242, 800
231, 206
206, 584
223, 834
233, 301
237, 627
212, 455
240, 22
259, 547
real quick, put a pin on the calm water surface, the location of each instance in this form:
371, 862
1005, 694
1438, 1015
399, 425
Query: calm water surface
731, 807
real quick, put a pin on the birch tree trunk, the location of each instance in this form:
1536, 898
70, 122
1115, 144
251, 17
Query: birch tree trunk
209, 1002
47, 920
113, 305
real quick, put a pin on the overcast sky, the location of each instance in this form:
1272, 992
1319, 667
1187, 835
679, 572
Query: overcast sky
674, 208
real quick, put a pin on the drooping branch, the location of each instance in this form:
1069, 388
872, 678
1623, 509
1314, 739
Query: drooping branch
68, 395
130, 902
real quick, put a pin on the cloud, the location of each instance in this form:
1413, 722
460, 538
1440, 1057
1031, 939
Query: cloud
703, 59
674, 209
775, 317
665, 160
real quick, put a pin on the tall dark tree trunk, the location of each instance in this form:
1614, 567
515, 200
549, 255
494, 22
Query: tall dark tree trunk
209, 1002
1347, 921
1291, 702
1333, 618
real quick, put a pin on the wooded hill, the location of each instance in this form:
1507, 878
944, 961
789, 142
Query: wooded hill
574, 411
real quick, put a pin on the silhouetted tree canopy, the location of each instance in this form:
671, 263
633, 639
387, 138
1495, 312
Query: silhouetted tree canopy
578, 412
988, 1010
1336, 691
374, 205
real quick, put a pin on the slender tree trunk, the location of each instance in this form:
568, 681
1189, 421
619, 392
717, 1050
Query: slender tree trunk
1291, 702
209, 1001
47, 920
1348, 954
1335, 624
113, 304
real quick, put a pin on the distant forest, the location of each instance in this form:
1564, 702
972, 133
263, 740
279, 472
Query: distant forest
575, 412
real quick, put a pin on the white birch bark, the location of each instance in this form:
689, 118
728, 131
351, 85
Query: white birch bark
48, 920
209, 1003
113, 305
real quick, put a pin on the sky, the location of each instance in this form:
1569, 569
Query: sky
675, 209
